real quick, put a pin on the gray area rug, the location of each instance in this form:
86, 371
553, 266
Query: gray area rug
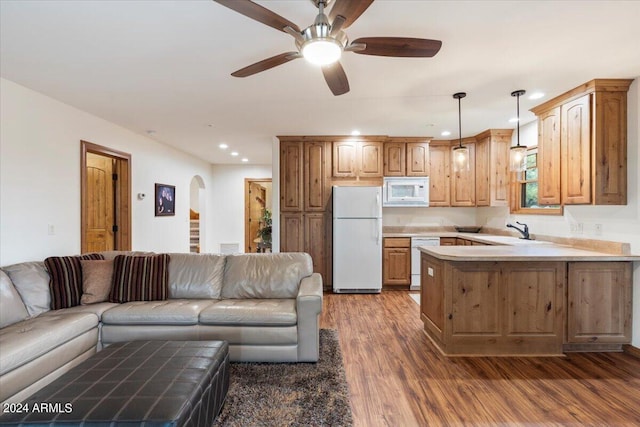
290, 394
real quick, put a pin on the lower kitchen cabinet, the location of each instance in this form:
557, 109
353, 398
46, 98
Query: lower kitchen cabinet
448, 241
599, 305
396, 261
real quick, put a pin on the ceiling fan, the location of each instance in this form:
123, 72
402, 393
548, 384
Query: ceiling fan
323, 42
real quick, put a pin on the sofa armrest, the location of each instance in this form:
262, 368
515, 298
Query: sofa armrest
309, 307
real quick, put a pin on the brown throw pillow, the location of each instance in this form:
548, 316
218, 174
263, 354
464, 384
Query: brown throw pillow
65, 282
96, 280
140, 278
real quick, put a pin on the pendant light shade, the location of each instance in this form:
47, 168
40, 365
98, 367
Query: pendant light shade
460, 153
518, 153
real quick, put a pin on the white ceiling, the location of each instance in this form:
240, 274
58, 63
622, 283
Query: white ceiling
165, 65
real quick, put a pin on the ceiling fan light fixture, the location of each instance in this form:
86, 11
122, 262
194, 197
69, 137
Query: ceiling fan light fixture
323, 51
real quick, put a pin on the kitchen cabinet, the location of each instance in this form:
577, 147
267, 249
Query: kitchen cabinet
489, 308
599, 305
357, 159
492, 167
448, 241
548, 157
305, 196
463, 183
406, 157
463, 242
396, 261
440, 171
593, 143
291, 176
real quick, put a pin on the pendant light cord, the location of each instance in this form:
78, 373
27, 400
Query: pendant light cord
459, 123
518, 113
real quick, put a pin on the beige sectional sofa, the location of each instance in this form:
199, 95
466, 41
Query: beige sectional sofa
266, 306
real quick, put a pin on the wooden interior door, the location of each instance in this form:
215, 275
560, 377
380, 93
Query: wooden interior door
255, 203
100, 203
105, 198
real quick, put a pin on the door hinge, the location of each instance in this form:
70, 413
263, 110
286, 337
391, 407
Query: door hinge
114, 176
114, 228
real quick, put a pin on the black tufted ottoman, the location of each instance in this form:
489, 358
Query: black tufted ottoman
140, 383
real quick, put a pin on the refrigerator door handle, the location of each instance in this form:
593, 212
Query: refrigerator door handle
377, 203
378, 233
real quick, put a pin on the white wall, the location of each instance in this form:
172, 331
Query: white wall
40, 178
428, 217
227, 211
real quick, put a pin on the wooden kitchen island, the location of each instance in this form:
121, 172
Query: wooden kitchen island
525, 299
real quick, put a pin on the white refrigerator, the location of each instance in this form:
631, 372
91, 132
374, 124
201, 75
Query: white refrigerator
357, 239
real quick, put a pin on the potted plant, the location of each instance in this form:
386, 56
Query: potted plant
264, 232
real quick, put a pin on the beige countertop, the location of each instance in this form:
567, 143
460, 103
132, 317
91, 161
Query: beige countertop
478, 237
521, 252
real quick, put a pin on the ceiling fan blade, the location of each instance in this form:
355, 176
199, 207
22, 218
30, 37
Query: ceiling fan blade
266, 64
349, 9
259, 13
398, 46
336, 78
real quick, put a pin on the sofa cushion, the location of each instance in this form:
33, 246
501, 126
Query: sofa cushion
97, 309
140, 278
250, 312
170, 312
196, 275
12, 309
32, 283
265, 275
66, 279
97, 276
27, 340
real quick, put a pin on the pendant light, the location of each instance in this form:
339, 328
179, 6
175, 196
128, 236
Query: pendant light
518, 153
460, 153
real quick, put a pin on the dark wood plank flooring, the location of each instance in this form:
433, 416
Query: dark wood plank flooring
398, 378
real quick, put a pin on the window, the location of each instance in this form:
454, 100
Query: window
525, 189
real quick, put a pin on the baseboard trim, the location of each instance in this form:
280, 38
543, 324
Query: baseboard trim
629, 349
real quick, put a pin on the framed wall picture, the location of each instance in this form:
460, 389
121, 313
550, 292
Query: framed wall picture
165, 200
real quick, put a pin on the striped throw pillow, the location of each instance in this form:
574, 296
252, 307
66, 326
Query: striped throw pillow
140, 278
65, 279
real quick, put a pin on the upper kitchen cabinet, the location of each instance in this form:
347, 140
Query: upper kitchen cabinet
291, 176
492, 167
357, 159
592, 144
463, 183
548, 158
440, 171
406, 157
317, 171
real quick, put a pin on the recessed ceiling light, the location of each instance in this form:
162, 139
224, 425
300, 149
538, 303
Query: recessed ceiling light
234, 153
355, 132
536, 95
513, 120
445, 133
223, 146
244, 159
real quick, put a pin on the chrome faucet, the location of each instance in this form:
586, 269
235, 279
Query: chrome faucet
524, 230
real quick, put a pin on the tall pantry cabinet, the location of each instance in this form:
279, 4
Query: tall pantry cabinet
305, 190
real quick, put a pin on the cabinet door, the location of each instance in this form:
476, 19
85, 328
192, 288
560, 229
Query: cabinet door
432, 298
448, 241
599, 302
483, 170
396, 266
609, 180
344, 159
439, 180
499, 170
291, 232
291, 177
463, 183
315, 241
548, 158
316, 190
575, 140
370, 156
394, 158
417, 159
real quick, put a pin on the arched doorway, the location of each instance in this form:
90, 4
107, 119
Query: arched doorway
197, 204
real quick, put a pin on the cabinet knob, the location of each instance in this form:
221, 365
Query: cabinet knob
450, 316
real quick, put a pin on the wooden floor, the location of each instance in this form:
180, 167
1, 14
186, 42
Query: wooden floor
398, 378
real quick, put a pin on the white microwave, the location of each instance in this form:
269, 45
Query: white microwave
406, 191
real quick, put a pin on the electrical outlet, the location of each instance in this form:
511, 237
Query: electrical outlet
51, 230
580, 228
597, 229
573, 227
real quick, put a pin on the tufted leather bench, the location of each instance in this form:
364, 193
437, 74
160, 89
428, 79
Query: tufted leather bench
168, 383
